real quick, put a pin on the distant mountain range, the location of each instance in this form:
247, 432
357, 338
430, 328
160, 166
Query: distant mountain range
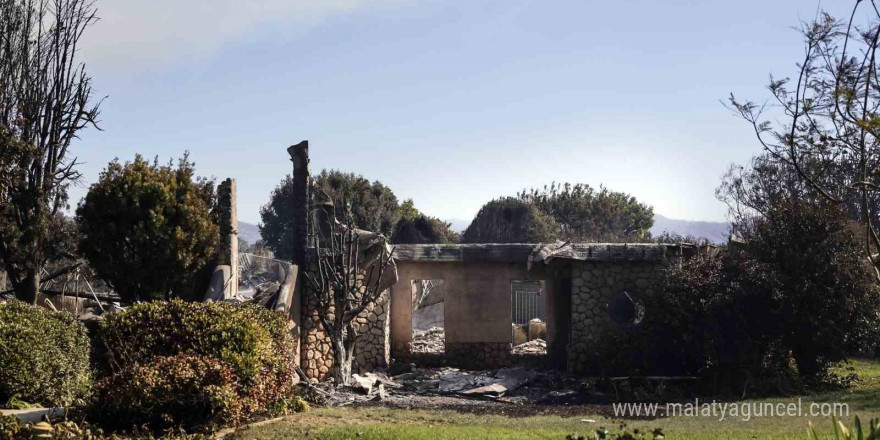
716, 232
458, 225
248, 232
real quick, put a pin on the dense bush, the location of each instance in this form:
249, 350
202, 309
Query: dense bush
183, 391
253, 341
367, 205
44, 355
509, 220
799, 291
585, 214
148, 229
417, 228
809, 259
423, 230
713, 320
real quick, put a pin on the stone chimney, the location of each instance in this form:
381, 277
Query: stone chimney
229, 234
299, 155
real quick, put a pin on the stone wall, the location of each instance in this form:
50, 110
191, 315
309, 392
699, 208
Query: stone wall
316, 359
373, 347
593, 286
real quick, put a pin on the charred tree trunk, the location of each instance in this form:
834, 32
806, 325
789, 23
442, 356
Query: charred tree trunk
45, 101
343, 354
348, 275
28, 288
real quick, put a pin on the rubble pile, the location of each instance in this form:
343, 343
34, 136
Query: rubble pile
253, 285
259, 277
533, 347
432, 340
516, 390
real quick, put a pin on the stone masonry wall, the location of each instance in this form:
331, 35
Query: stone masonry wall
593, 286
373, 347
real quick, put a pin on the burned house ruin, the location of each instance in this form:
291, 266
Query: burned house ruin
484, 298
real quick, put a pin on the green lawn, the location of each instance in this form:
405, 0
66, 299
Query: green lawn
863, 400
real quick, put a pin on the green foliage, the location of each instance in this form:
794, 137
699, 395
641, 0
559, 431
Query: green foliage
369, 206
148, 230
276, 220
15, 403
11, 428
841, 432
674, 237
808, 258
44, 355
408, 210
416, 228
33, 240
510, 220
584, 214
44, 104
253, 341
248, 337
824, 145
798, 291
291, 404
195, 393
712, 320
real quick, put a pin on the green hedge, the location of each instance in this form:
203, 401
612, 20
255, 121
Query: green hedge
193, 392
44, 355
252, 341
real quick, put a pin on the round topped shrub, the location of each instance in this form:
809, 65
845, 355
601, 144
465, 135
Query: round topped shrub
148, 229
44, 355
253, 341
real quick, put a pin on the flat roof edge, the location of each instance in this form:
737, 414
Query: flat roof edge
531, 252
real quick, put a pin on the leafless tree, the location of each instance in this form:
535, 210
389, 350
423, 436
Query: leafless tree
45, 101
351, 270
829, 129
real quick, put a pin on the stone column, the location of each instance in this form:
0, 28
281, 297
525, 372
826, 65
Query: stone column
299, 155
229, 234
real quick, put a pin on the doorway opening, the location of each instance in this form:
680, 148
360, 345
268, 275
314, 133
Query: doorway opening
428, 316
528, 316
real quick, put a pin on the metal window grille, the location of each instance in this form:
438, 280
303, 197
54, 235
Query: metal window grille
524, 301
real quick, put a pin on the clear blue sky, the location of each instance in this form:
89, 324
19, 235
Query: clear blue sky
449, 103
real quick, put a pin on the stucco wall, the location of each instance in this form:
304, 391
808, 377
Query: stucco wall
476, 305
477, 317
